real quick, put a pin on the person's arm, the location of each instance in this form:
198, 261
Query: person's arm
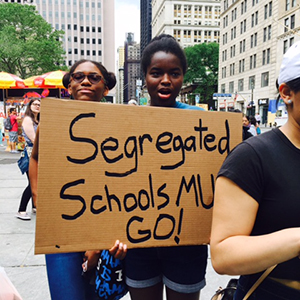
233, 250
33, 168
28, 128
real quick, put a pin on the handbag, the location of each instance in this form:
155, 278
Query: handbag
228, 292
23, 161
110, 283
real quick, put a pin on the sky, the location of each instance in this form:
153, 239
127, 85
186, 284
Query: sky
127, 19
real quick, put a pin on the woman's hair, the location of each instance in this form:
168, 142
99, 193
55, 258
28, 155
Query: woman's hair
252, 120
109, 77
28, 111
165, 43
247, 117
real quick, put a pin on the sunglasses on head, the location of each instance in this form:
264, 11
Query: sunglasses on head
93, 78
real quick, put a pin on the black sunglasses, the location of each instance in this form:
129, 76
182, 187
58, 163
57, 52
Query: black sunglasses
93, 78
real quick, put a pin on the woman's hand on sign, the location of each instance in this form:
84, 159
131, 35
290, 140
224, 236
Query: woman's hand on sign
119, 250
90, 260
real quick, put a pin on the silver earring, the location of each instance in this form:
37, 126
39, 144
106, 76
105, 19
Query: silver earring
289, 101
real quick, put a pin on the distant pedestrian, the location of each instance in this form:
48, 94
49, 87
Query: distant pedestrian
253, 125
258, 118
246, 127
13, 133
132, 102
1, 132
29, 126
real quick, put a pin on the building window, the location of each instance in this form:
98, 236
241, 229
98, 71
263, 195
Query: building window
266, 11
223, 88
232, 67
264, 57
75, 51
285, 46
269, 32
291, 41
231, 86
241, 65
286, 24
251, 83
287, 4
264, 79
268, 55
240, 85
270, 9
292, 21
75, 39
82, 52
265, 34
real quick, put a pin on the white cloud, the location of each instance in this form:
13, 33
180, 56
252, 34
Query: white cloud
127, 19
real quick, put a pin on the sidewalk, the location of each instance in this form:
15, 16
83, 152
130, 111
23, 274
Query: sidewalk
26, 270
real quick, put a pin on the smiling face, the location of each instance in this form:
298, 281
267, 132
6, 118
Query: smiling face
86, 90
164, 79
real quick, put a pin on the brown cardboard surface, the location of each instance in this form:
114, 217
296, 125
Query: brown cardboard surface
143, 175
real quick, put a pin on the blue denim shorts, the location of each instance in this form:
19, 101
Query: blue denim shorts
13, 136
180, 268
267, 290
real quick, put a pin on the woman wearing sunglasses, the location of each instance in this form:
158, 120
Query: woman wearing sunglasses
86, 81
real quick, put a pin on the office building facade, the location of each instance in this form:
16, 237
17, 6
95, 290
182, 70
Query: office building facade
254, 35
191, 22
132, 69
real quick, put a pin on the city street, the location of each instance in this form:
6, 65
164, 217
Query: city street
26, 270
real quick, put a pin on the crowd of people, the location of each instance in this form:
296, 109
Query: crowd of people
255, 216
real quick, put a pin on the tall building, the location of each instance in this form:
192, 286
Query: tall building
88, 26
189, 21
132, 69
120, 72
254, 36
146, 19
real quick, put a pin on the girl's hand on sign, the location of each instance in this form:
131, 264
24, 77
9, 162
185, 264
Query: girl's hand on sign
119, 250
90, 259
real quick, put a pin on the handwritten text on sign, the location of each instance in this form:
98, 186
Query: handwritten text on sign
142, 175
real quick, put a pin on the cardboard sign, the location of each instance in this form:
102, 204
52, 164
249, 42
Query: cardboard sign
143, 175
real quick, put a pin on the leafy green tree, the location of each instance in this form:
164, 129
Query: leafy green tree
203, 63
29, 45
